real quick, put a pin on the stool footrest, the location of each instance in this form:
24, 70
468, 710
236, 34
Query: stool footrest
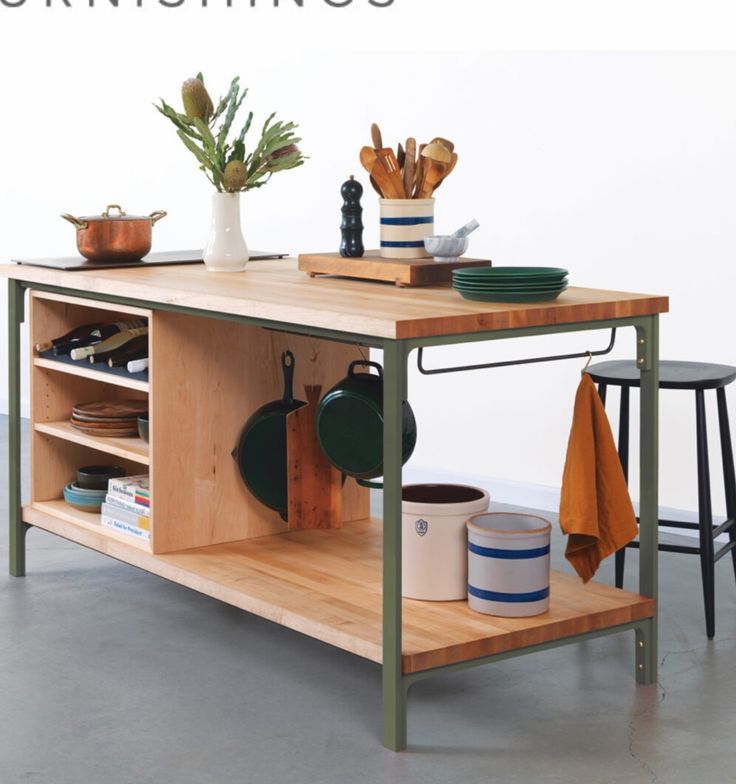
724, 527
670, 548
725, 549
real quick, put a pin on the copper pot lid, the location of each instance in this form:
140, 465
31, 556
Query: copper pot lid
108, 215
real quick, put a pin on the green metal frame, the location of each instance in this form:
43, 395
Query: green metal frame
396, 684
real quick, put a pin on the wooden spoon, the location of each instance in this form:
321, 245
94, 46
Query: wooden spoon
432, 178
437, 152
450, 166
445, 143
401, 156
410, 166
377, 137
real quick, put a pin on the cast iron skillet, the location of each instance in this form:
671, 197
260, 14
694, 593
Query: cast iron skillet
261, 450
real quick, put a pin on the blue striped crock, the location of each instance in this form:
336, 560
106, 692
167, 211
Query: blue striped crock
404, 225
508, 564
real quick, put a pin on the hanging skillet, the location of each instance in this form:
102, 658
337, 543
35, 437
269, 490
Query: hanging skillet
349, 424
261, 450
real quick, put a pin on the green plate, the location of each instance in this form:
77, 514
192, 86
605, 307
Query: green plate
488, 286
527, 273
486, 296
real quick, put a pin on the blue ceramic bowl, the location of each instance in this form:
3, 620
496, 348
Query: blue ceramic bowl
83, 499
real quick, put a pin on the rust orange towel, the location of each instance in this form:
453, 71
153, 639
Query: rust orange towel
595, 507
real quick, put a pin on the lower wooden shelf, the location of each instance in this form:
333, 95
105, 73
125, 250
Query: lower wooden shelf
327, 584
60, 518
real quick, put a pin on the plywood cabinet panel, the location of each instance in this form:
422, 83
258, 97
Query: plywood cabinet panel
207, 377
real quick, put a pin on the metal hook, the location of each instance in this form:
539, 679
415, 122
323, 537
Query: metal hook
587, 364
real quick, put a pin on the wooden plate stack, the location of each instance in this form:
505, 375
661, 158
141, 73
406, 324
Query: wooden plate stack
109, 418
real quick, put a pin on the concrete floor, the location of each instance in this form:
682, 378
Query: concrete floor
109, 675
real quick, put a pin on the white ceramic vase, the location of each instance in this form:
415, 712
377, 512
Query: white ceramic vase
226, 249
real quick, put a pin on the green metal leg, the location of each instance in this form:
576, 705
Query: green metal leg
647, 340
17, 527
394, 687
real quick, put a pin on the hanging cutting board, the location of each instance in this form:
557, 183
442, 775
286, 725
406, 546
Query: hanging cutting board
315, 486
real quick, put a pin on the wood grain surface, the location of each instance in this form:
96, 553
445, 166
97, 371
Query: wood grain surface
327, 585
207, 377
277, 290
401, 272
314, 485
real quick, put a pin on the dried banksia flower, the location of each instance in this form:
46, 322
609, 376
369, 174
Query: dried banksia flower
234, 176
197, 101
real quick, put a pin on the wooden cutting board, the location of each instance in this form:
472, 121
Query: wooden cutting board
314, 485
401, 272
110, 409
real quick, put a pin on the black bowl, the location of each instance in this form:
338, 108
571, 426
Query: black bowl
96, 477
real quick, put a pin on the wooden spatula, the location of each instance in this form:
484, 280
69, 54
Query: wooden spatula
388, 158
420, 171
386, 182
410, 166
401, 156
369, 159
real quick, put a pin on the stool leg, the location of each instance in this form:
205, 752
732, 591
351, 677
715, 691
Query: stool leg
623, 455
729, 476
705, 516
602, 389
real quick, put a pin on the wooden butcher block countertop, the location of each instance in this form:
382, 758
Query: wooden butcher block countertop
276, 290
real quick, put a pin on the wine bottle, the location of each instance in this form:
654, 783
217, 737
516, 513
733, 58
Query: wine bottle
116, 341
118, 361
87, 334
134, 346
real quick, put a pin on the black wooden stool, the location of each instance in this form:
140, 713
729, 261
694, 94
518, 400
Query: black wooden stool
697, 377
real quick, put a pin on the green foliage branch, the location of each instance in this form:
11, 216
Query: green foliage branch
227, 163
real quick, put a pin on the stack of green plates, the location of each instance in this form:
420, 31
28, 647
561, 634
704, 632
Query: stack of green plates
510, 284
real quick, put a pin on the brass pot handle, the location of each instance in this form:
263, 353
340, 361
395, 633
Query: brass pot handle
79, 224
106, 213
156, 216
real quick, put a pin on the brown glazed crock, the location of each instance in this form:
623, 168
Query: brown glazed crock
118, 237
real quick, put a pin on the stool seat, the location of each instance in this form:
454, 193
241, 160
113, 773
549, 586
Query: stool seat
672, 375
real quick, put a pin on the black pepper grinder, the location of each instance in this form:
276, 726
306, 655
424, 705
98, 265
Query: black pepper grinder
351, 246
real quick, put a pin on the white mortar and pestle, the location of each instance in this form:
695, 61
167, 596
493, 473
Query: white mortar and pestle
449, 247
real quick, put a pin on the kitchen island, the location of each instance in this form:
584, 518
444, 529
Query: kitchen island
214, 342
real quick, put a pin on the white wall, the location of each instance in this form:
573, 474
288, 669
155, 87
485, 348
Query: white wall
617, 165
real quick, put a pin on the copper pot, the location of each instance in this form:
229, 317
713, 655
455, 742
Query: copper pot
118, 237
